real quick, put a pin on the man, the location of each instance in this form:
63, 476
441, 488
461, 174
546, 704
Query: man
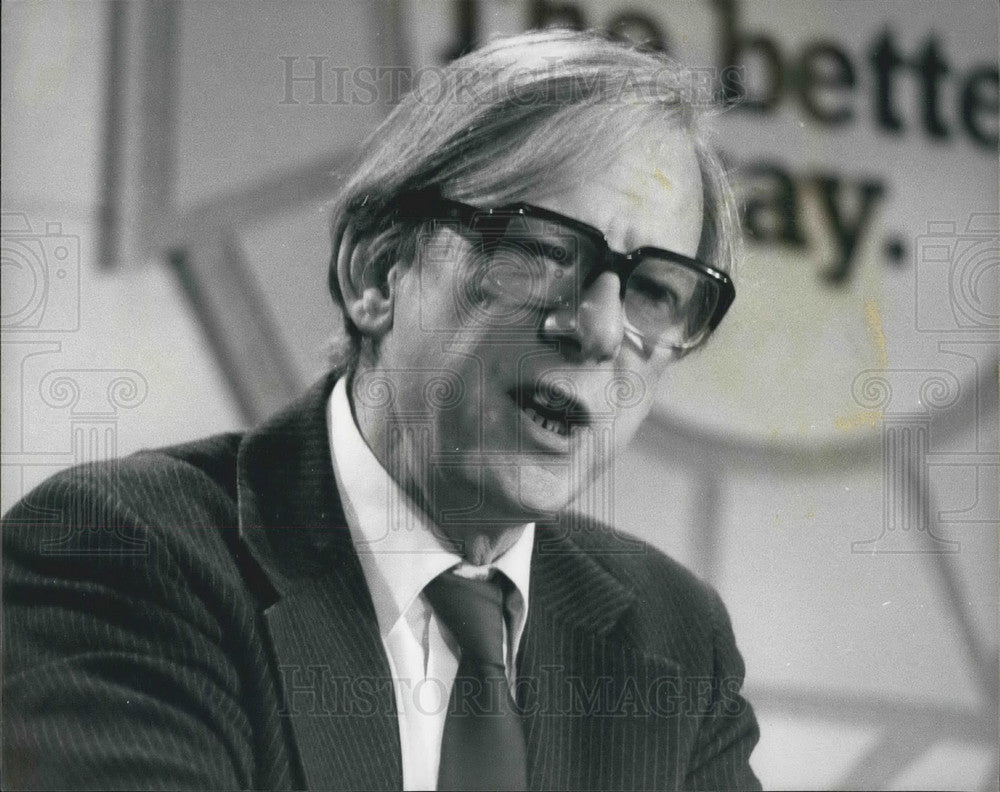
383, 587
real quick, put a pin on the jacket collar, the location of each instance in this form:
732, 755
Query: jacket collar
290, 513
329, 658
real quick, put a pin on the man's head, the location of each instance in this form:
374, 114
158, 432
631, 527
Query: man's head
505, 348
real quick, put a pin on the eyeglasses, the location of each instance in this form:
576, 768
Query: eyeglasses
542, 260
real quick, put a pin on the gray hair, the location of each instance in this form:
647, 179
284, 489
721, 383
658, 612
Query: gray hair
499, 122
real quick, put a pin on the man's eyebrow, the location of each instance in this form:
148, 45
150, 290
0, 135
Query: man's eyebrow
553, 232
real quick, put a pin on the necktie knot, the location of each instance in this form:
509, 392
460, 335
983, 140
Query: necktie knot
473, 611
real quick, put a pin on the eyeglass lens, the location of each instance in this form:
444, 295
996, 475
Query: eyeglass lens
541, 261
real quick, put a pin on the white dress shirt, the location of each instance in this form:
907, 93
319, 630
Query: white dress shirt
400, 555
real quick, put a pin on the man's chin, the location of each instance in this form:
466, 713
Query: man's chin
513, 509
511, 493
542, 495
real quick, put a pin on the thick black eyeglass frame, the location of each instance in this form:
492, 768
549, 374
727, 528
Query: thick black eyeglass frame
431, 205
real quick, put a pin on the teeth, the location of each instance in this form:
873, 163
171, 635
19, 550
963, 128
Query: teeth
552, 425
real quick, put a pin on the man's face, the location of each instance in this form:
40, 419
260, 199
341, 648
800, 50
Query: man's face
476, 382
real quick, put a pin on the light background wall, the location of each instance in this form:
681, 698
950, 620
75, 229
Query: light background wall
762, 467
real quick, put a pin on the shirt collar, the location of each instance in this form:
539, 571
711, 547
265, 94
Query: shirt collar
394, 538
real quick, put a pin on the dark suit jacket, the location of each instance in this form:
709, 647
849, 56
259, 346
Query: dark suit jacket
196, 617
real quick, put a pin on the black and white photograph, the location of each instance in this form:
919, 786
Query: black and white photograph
500, 395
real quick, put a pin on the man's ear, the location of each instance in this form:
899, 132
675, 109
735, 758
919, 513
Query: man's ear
367, 283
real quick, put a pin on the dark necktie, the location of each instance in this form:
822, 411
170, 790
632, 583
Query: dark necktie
483, 743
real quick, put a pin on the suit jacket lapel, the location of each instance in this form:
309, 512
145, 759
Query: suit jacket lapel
327, 651
583, 686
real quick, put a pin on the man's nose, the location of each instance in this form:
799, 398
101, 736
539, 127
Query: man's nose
598, 327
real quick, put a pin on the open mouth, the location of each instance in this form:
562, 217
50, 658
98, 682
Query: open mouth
554, 410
